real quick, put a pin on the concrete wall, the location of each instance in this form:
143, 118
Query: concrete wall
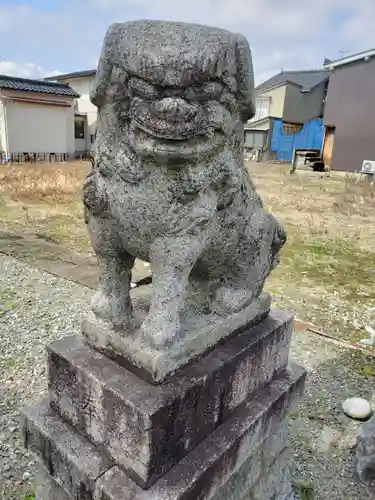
301, 107
3, 128
83, 86
350, 107
39, 127
80, 145
277, 96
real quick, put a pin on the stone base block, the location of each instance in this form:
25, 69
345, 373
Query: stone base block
276, 483
47, 488
200, 333
147, 429
215, 467
260, 471
72, 461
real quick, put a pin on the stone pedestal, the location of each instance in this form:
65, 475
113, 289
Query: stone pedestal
215, 430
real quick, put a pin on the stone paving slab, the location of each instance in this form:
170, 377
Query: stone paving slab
58, 260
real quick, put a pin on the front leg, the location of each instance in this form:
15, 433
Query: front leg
172, 259
112, 300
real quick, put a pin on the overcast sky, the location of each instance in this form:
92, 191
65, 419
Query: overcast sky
44, 37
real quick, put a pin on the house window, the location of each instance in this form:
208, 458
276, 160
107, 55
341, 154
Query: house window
262, 108
291, 128
92, 138
254, 139
79, 129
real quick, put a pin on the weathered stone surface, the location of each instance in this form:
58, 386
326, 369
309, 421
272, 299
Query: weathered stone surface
168, 184
211, 465
197, 329
47, 488
80, 470
257, 465
185, 393
69, 458
147, 429
365, 455
276, 484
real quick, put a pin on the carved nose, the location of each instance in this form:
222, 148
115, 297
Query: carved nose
175, 108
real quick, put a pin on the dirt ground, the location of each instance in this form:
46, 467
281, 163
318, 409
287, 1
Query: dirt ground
328, 265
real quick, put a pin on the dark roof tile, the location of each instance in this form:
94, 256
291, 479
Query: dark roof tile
29, 85
307, 80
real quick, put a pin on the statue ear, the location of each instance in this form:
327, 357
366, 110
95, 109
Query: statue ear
245, 78
104, 71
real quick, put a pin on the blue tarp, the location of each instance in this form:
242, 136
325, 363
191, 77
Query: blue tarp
309, 137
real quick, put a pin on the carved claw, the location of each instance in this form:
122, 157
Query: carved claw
158, 331
111, 309
230, 300
100, 305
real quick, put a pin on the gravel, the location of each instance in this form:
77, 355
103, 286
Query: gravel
323, 438
36, 308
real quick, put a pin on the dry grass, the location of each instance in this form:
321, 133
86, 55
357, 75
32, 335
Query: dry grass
33, 184
46, 201
328, 265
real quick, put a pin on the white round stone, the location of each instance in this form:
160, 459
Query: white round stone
357, 408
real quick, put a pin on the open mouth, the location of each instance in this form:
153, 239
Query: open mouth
146, 142
169, 131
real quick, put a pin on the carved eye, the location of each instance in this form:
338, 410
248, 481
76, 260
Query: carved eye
143, 89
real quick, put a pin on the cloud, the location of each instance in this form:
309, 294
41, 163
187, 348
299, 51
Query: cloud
289, 34
25, 70
283, 35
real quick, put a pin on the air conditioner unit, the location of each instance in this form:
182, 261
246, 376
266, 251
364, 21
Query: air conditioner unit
368, 167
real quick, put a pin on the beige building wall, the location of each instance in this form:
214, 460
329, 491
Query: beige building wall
277, 98
83, 86
38, 127
3, 128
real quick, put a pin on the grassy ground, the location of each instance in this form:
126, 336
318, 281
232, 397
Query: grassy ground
45, 201
328, 265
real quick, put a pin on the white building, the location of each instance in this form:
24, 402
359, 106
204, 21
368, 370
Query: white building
86, 112
36, 117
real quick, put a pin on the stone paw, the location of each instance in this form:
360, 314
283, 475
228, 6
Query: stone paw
100, 305
231, 300
115, 310
159, 332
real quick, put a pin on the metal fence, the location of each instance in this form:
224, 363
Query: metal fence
18, 158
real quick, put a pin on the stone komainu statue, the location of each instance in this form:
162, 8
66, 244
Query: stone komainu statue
168, 184
366, 455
